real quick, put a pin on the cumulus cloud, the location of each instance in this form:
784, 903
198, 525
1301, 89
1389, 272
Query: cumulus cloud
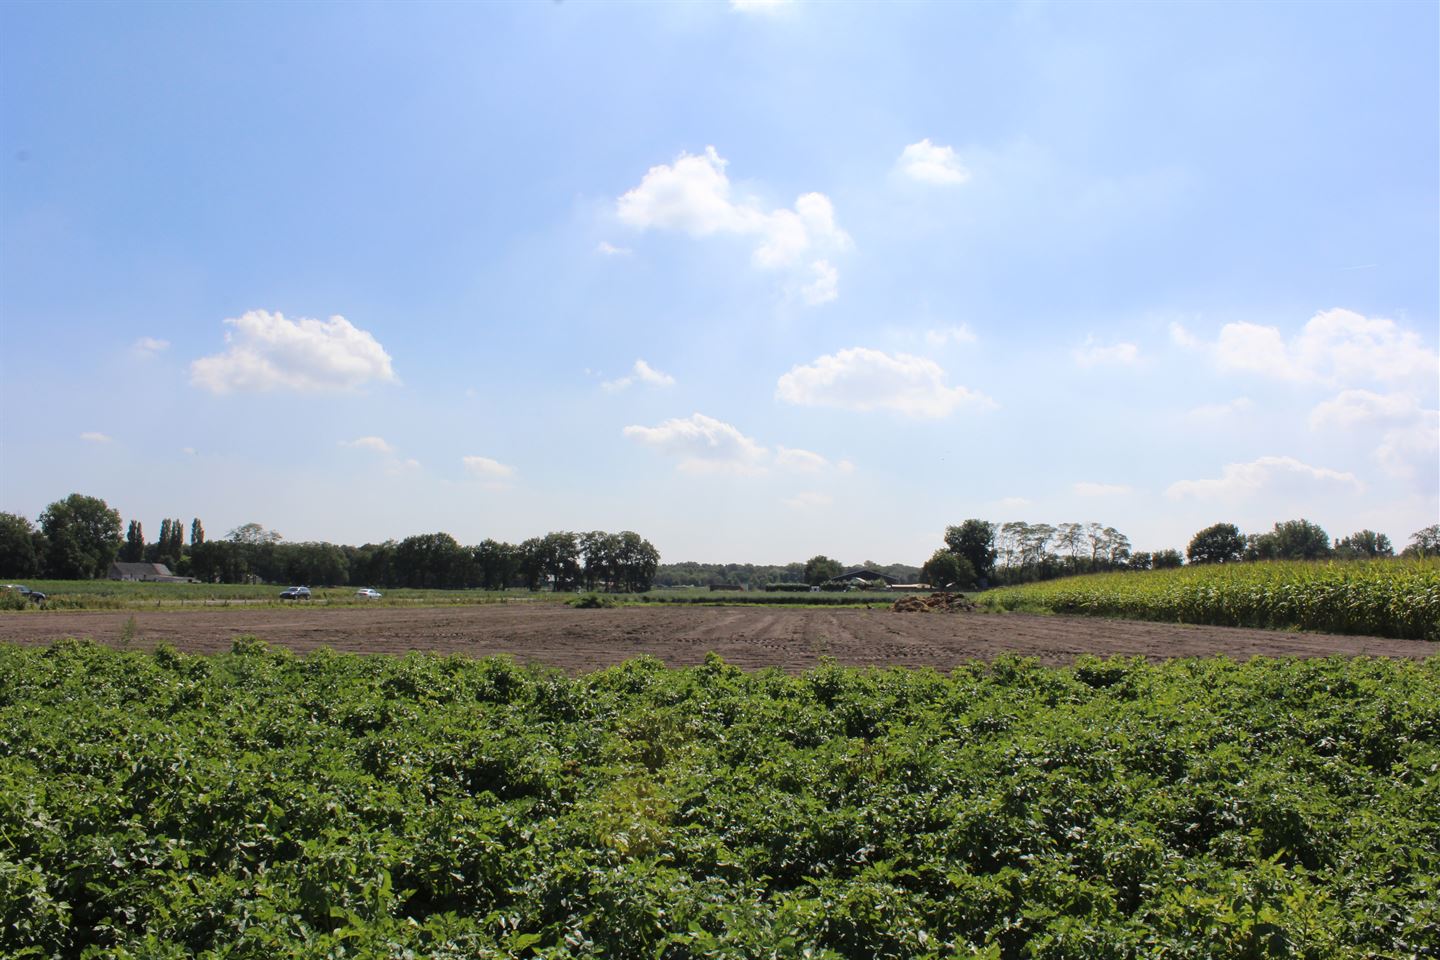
931, 163
1087, 489
1240, 480
149, 347
487, 469
265, 351
703, 444
1094, 354
95, 437
641, 372
1335, 347
863, 379
1409, 445
693, 196
373, 444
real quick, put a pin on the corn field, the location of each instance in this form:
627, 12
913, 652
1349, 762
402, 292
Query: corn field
1384, 598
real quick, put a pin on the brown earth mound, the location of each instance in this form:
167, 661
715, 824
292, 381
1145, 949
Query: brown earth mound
935, 603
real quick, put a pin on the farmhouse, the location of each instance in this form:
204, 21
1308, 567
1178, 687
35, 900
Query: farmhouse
146, 572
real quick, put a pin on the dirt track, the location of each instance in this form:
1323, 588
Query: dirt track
749, 637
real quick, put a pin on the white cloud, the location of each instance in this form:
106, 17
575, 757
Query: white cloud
703, 444
1335, 347
1412, 450
1086, 489
809, 500
1183, 337
825, 287
1117, 354
930, 163
1211, 412
1409, 434
693, 197
643, 373
1239, 480
149, 347
863, 379
610, 250
486, 468
94, 437
267, 352
374, 444
801, 461
940, 337
1351, 408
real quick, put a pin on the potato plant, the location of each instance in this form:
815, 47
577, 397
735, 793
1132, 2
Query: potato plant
261, 805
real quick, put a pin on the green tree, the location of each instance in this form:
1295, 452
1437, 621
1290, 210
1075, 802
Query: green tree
975, 541
497, 564
637, 562
1166, 560
431, 561
82, 535
197, 532
1219, 543
19, 556
948, 570
1364, 545
820, 568
1290, 540
1424, 543
134, 549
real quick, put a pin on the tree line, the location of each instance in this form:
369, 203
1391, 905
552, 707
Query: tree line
78, 538
979, 553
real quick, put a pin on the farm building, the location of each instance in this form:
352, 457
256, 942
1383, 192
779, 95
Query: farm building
861, 577
146, 572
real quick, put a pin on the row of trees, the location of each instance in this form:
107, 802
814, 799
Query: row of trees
981, 553
1302, 540
79, 537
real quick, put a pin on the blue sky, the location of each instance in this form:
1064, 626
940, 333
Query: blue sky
758, 281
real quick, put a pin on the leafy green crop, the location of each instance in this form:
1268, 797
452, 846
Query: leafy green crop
261, 805
1385, 598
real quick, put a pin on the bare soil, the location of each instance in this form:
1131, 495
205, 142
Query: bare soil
748, 637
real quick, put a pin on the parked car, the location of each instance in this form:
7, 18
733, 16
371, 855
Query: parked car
367, 594
34, 596
296, 593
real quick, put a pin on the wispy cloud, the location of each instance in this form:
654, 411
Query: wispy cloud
809, 500
1241, 480
96, 437
495, 474
863, 379
374, 444
1087, 489
147, 347
265, 352
1093, 354
610, 250
641, 372
946, 335
1212, 412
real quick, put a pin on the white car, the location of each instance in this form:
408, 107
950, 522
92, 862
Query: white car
367, 594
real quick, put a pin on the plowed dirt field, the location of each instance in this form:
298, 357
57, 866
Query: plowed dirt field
748, 637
